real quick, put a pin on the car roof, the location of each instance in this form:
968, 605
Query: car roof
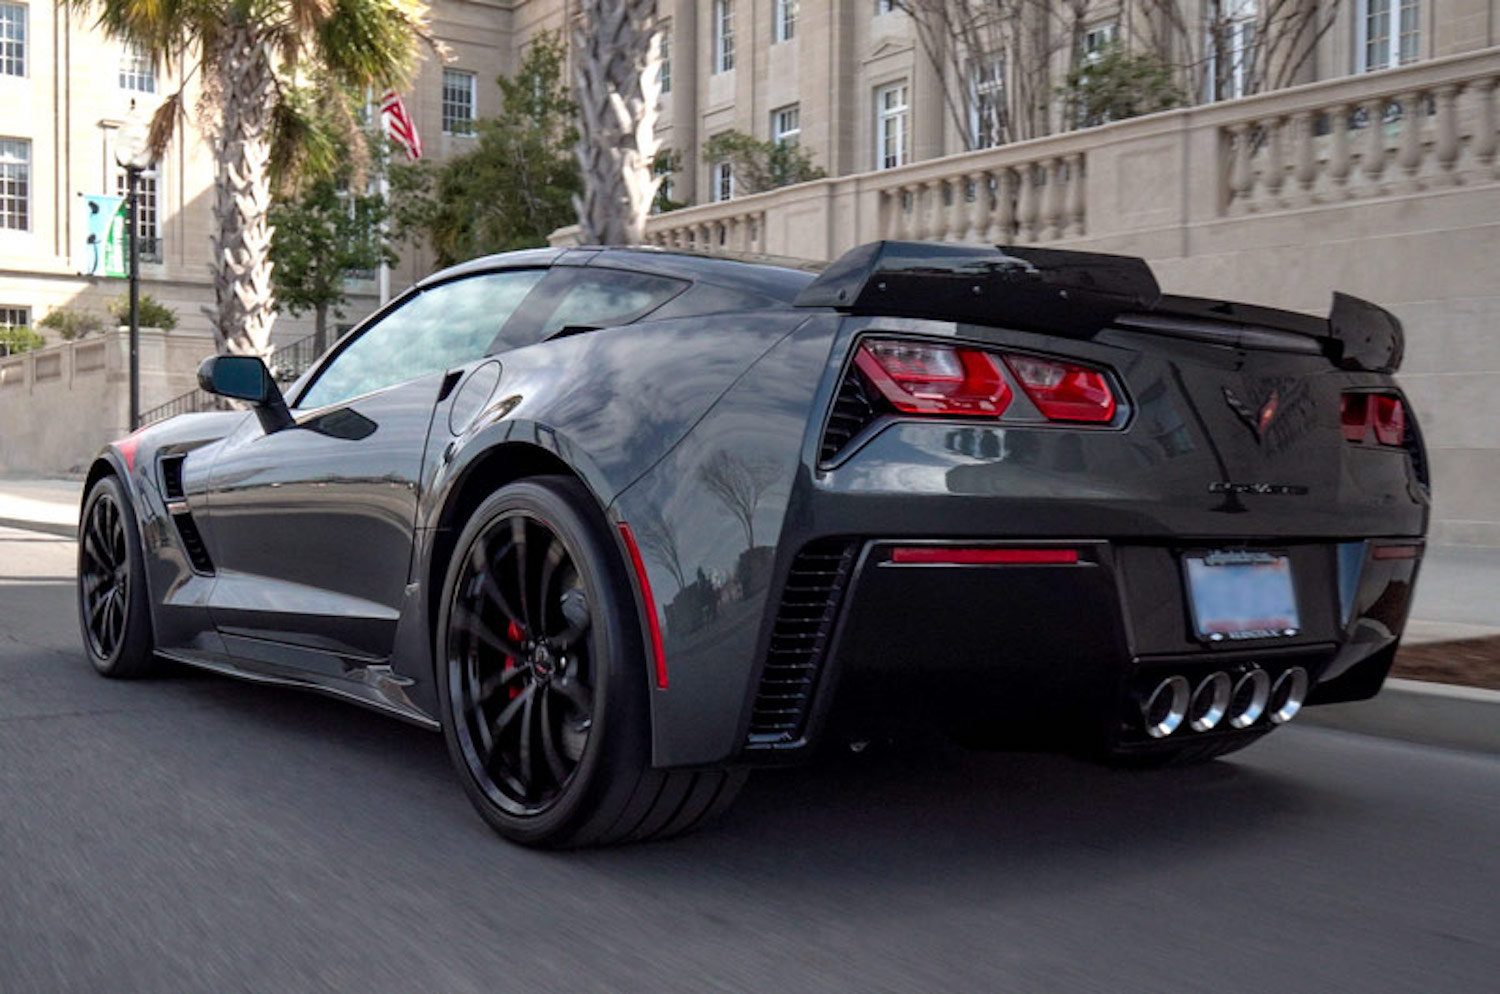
776, 277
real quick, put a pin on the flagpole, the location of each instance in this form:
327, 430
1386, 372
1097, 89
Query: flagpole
383, 273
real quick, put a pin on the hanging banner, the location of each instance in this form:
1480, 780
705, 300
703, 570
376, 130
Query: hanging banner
104, 251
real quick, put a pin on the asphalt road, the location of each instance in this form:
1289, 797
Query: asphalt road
198, 834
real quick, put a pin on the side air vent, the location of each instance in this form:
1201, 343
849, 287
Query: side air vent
799, 642
852, 410
171, 477
192, 542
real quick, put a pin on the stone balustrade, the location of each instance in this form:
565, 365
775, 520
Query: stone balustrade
1402, 131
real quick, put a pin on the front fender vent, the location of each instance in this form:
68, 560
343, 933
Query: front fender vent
799, 642
171, 477
192, 542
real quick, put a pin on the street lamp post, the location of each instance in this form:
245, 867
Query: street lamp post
133, 153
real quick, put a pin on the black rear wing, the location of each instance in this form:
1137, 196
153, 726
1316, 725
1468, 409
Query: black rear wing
1056, 291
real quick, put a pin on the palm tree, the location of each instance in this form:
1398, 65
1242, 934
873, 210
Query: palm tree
617, 48
256, 59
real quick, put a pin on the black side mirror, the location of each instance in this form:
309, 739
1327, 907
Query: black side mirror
245, 377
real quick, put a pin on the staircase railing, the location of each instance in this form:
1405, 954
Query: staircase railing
286, 364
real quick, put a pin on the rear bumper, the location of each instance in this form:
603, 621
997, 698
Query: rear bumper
1055, 655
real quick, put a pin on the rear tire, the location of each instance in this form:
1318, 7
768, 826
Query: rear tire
114, 610
543, 680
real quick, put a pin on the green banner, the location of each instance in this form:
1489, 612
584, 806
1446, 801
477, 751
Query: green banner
105, 250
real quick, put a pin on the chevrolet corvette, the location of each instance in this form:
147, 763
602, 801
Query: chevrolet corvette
624, 524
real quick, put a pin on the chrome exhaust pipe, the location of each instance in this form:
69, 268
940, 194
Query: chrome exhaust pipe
1164, 710
1248, 702
1287, 695
1210, 702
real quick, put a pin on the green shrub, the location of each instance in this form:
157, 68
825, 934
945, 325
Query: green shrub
153, 313
14, 341
71, 322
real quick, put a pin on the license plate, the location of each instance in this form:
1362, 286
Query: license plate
1241, 595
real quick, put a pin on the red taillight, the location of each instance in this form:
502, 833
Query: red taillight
935, 378
927, 378
1390, 419
1063, 391
1382, 411
947, 555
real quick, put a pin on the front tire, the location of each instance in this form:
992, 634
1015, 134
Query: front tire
114, 612
542, 679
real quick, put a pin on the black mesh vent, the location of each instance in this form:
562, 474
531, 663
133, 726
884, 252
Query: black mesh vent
192, 543
171, 477
804, 625
1412, 443
852, 410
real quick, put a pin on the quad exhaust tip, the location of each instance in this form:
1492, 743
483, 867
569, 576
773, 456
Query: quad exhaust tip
1287, 695
1164, 710
1248, 701
1210, 702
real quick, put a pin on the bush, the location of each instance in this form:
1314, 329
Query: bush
153, 313
14, 341
71, 322
1119, 85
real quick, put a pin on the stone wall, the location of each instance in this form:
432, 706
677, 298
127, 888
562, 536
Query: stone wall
61, 404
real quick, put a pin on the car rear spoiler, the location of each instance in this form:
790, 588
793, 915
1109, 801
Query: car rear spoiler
1057, 291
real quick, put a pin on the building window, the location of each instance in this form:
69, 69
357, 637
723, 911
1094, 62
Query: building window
1238, 42
14, 316
723, 181
15, 184
458, 102
1099, 39
987, 101
1390, 33
884, 7
147, 210
664, 74
786, 125
784, 20
136, 71
12, 39
723, 35
891, 125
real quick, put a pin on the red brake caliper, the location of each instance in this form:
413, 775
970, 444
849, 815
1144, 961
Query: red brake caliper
513, 633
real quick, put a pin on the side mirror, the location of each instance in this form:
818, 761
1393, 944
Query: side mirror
245, 377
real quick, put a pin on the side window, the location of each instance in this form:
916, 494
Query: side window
440, 328
598, 298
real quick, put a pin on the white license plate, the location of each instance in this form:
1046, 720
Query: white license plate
1236, 595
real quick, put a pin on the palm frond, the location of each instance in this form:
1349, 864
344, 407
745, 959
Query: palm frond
163, 124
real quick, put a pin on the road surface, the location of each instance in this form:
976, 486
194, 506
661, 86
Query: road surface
199, 834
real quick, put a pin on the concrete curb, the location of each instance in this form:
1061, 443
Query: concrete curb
66, 530
1436, 714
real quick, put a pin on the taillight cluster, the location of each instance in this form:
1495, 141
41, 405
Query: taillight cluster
932, 378
1384, 413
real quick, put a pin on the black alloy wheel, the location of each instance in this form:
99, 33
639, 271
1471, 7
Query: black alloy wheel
112, 599
543, 679
520, 665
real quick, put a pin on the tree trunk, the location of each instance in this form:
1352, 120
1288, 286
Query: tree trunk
242, 93
320, 328
617, 52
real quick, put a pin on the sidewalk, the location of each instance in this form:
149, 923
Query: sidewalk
41, 505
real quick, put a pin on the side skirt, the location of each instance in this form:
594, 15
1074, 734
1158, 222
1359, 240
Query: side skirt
374, 686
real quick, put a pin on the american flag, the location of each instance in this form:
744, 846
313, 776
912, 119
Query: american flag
398, 124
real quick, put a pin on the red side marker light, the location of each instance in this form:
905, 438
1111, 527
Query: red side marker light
1394, 552
942, 555
659, 657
